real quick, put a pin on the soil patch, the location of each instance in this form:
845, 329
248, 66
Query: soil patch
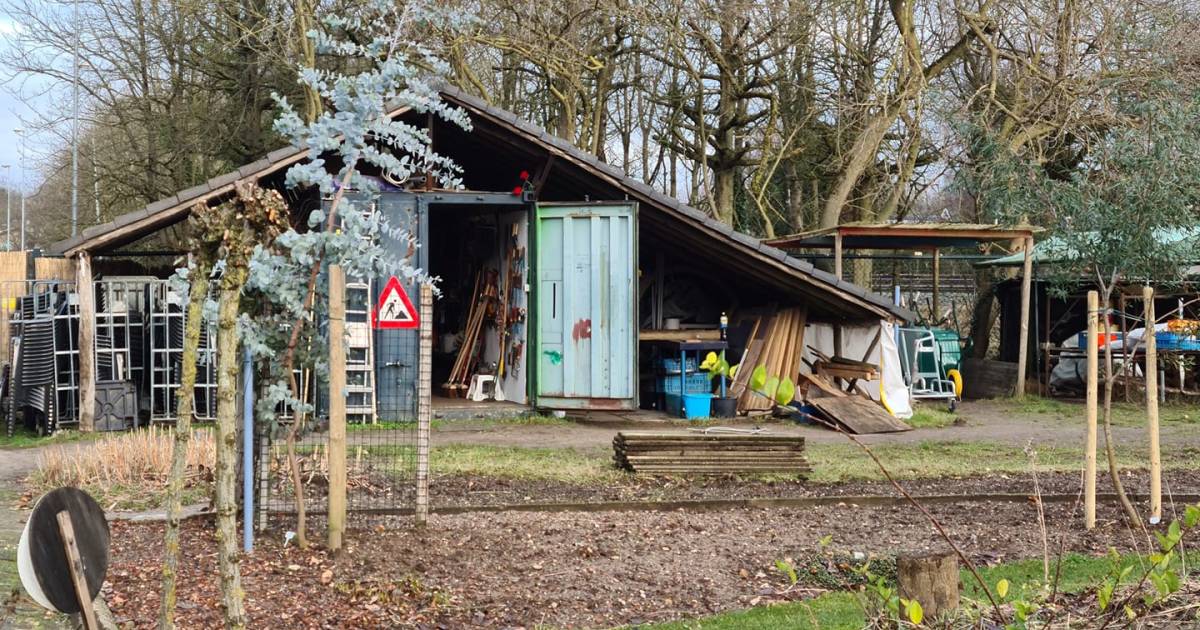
475, 491
566, 569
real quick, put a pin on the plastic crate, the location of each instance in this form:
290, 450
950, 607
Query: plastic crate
1173, 341
671, 365
696, 384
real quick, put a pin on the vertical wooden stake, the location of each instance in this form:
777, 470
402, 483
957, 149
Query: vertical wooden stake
937, 286
1023, 349
837, 253
85, 289
1093, 375
337, 406
67, 530
1152, 408
425, 402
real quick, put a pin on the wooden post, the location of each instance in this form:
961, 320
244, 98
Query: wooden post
1023, 350
85, 289
937, 286
1093, 375
337, 406
67, 530
1152, 408
425, 402
837, 253
931, 579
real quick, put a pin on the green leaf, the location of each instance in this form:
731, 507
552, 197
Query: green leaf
1129, 612
771, 387
710, 361
786, 393
1191, 516
825, 540
733, 371
1002, 588
758, 378
915, 614
1104, 596
1173, 533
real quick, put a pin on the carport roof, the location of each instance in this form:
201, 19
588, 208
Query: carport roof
807, 279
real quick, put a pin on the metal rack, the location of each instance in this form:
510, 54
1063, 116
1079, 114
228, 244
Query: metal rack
360, 354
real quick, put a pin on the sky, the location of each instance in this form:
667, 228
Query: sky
15, 113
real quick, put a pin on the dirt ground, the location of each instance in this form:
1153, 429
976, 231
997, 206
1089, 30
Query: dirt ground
982, 421
565, 569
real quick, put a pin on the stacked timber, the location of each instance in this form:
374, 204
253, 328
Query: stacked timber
709, 454
777, 344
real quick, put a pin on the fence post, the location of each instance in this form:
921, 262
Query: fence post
337, 406
424, 402
1152, 407
1093, 375
247, 451
85, 289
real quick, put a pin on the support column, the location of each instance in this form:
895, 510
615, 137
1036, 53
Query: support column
85, 289
937, 286
837, 254
1023, 349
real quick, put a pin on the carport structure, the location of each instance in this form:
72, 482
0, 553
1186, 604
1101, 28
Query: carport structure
931, 238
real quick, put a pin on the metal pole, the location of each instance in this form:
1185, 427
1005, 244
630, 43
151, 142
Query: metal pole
21, 178
95, 178
247, 452
7, 207
75, 131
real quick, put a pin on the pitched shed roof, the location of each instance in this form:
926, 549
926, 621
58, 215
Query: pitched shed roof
744, 250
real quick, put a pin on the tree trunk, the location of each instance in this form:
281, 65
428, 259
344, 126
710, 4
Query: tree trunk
930, 578
226, 440
183, 436
723, 183
983, 313
1110, 449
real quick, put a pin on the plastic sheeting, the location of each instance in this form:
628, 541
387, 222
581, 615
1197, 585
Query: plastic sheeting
889, 387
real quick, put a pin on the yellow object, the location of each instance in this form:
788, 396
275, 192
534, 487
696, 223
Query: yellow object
954, 375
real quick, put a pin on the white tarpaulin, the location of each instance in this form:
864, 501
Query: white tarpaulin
856, 340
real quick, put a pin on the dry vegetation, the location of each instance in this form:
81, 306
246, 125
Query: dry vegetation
128, 471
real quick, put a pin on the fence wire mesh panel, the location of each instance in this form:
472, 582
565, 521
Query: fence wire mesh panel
381, 413
39, 372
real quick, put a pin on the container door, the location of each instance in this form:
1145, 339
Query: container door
396, 351
585, 307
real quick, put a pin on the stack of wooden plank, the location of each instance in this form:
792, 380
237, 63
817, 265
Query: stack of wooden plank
777, 344
483, 299
709, 453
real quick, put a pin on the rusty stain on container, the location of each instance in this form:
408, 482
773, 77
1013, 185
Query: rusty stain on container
582, 330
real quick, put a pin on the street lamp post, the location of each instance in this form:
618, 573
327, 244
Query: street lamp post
7, 207
21, 178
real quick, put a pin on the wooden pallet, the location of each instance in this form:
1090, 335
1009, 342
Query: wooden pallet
709, 454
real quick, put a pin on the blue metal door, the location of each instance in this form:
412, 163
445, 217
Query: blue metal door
586, 312
397, 351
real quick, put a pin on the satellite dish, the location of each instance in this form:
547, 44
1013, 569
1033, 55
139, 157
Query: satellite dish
42, 557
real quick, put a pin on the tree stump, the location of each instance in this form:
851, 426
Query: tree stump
931, 578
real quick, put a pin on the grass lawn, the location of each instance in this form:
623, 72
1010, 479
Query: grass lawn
1124, 414
23, 438
838, 610
437, 423
929, 417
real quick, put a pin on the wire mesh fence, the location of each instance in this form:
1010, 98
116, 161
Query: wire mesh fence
381, 413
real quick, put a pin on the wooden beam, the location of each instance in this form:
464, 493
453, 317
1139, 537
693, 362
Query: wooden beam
337, 406
837, 254
1023, 350
85, 289
937, 285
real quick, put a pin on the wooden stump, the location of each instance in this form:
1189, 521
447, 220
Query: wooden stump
931, 578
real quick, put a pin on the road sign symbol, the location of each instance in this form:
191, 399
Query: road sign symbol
395, 310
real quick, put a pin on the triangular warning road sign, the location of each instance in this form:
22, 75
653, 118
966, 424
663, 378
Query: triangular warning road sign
395, 310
